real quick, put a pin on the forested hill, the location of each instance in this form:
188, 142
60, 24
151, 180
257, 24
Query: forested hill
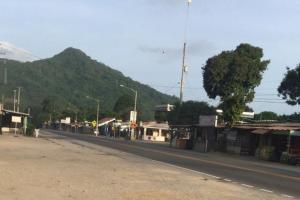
65, 81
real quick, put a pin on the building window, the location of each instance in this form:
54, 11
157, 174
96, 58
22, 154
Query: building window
149, 132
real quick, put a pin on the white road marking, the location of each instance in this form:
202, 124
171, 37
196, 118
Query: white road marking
249, 186
228, 180
264, 190
186, 169
288, 196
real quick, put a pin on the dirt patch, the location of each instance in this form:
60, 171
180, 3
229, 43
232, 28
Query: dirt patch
59, 168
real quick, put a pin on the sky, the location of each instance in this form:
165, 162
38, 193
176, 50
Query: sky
144, 38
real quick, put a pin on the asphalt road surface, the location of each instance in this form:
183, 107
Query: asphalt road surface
266, 176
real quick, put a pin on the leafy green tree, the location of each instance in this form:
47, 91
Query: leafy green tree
160, 116
232, 76
295, 117
48, 104
188, 112
266, 115
123, 106
289, 88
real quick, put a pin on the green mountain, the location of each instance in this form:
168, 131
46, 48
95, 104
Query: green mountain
60, 85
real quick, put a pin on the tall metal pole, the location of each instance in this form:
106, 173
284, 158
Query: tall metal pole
135, 113
18, 103
183, 70
14, 100
184, 67
3, 100
135, 100
98, 108
97, 121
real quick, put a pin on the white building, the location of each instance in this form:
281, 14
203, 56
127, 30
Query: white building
154, 131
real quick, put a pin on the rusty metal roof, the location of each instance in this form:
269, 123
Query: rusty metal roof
271, 126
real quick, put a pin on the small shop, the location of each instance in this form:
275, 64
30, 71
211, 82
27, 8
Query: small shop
239, 141
182, 136
154, 131
205, 136
293, 151
13, 122
272, 142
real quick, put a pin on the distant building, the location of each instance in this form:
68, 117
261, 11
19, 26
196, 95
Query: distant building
9, 120
154, 131
164, 108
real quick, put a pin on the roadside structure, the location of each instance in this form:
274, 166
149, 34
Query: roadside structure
278, 142
106, 126
274, 141
12, 121
164, 108
153, 131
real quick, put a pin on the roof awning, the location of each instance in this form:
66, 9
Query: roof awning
106, 121
260, 131
15, 113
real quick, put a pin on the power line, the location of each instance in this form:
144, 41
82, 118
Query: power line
200, 88
260, 101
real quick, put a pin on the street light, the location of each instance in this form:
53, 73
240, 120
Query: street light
135, 113
15, 91
135, 93
97, 120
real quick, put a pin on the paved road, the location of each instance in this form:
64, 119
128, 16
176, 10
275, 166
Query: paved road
270, 177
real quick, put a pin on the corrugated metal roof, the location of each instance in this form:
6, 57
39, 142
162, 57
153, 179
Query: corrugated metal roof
105, 121
260, 131
14, 112
275, 126
155, 125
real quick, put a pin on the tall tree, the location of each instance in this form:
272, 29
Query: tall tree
160, 116
266, 115
123, 106
188, 112
233, 76
289, 88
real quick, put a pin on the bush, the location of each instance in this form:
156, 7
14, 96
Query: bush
30, 129
266, 153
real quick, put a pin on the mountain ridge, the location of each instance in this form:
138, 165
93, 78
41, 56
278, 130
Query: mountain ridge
69, 77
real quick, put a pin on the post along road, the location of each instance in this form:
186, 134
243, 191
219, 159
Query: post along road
264, 176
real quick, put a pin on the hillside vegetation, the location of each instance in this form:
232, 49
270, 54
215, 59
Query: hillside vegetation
60, 86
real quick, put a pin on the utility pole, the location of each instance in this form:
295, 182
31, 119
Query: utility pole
135, 100
184, 66
135, 111
98, 108
15, 100
76, 123
97, 121
19, 94
5, 83
3, 100
183, 71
